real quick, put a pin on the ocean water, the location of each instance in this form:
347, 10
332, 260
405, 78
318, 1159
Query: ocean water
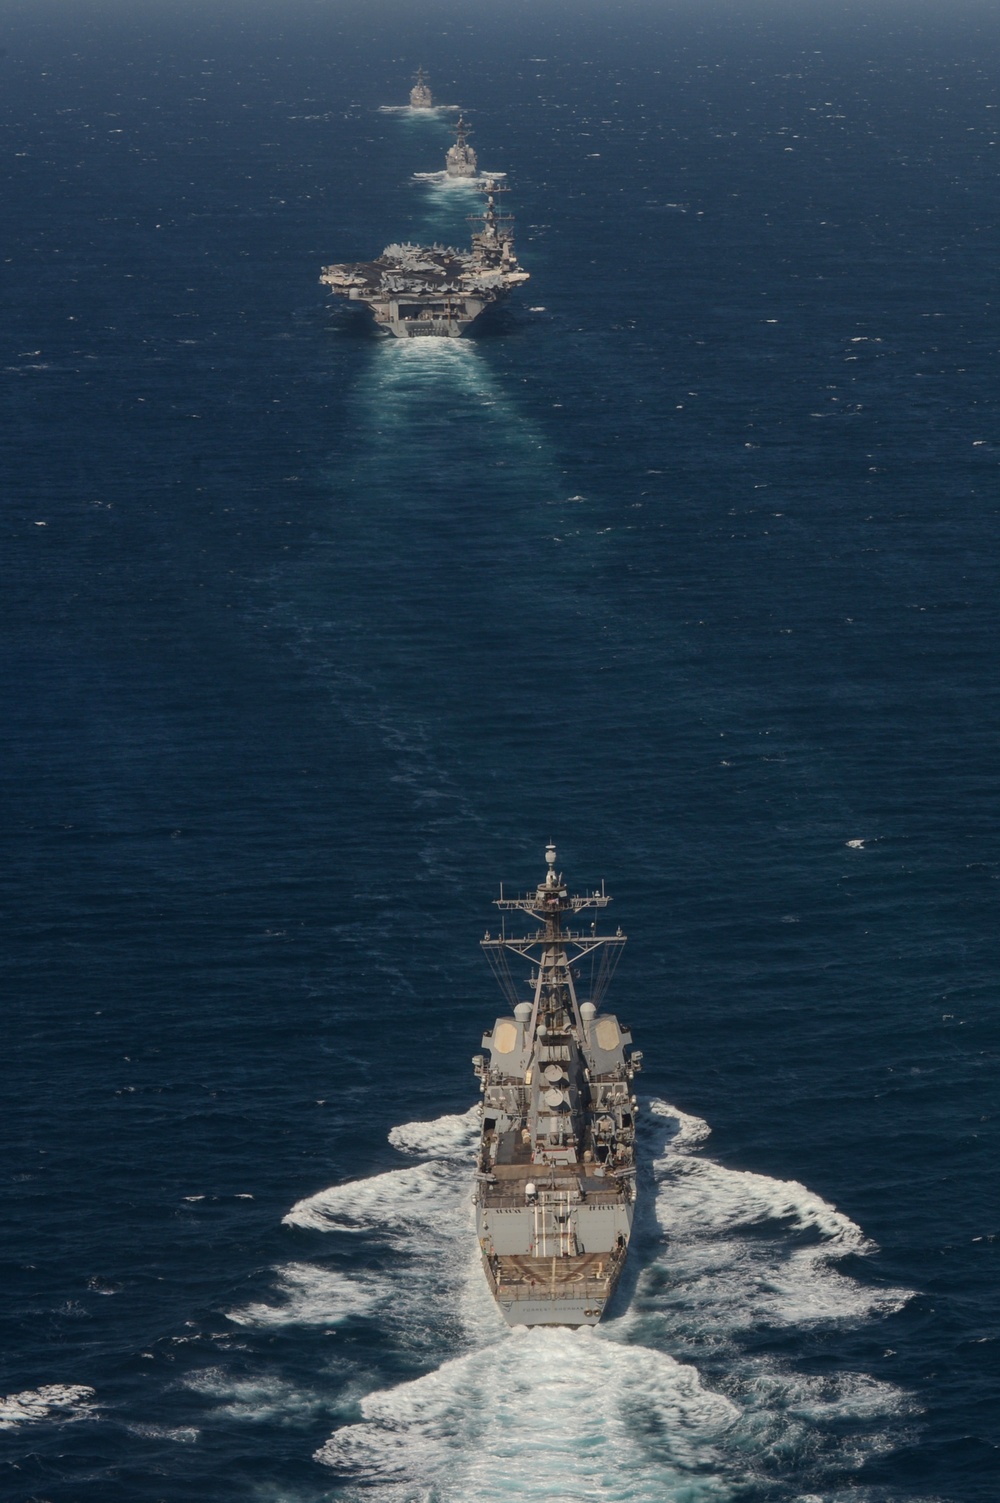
688, 562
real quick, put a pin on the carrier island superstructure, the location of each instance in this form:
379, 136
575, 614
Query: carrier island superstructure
556, 1175
418, 290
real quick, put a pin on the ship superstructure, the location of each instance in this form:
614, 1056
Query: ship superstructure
556, 1175
460, 159
421, 97
418, 290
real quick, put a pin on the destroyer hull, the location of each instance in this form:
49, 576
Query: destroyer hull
557, 1288
553, 1239
554, 1291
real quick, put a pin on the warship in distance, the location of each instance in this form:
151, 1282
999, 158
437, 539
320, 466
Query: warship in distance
556, 1176
418, 290
421, 97
460, 159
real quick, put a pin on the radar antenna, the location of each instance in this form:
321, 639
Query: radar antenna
553, 951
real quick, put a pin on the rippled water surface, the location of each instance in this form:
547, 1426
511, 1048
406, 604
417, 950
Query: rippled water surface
688, 561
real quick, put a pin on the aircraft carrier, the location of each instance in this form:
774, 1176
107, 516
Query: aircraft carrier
556, 1175
421, 290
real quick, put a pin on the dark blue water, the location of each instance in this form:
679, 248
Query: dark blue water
689, 562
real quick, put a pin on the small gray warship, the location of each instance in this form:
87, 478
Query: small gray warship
460, 159
421, 97
418, 290
556, 1176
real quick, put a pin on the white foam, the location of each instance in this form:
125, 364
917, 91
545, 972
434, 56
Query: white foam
735, 1257
414, 112
451, 1137
445, 180
53, 1401
700, 1198
184, 1435
398, 1204
314, 1296
681, 1130
259, 1400
543, 1415
423, 1213
548, 1414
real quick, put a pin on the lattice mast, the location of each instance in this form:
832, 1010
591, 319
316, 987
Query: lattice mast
554, 951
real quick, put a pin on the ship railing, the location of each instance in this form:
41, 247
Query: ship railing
499, 1199
521, 1285
524, 1287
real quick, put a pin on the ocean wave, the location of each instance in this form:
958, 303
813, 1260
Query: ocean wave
265, 1399
667, 1403
54, 1401
182, 1435
313, 1296
744, 1249
400, 1204
451, 1137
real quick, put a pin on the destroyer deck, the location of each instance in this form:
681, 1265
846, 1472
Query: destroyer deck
505, 1185
568, 1291
561, 1275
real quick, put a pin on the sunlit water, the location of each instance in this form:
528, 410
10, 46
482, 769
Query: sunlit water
688, 561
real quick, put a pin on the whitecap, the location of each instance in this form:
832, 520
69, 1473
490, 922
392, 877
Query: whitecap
53, 1401
184, 1435
257, 1400
745, 1249
397, 1204
310, 1295
451, 1137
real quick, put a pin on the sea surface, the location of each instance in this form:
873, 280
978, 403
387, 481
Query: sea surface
688, 562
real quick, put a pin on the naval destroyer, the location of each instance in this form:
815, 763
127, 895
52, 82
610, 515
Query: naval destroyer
421, 97
435, 289
460, 159
556, 1175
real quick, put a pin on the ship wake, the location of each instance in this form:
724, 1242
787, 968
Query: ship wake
418, 112
691, 1392
437, 402
445, 180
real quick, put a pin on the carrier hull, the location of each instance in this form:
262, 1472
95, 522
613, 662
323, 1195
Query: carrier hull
422, 319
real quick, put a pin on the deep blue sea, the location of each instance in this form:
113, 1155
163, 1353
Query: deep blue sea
689, 562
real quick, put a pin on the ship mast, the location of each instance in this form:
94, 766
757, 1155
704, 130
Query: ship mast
420, 95
554, 951
494, 242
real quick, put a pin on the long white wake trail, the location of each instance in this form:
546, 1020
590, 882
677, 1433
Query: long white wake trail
620, 1413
